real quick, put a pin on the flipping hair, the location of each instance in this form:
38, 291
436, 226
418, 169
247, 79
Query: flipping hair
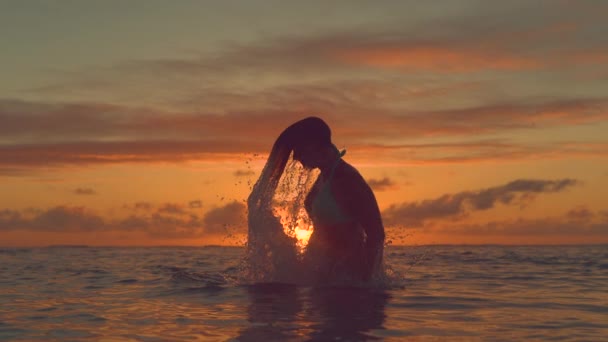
305, 131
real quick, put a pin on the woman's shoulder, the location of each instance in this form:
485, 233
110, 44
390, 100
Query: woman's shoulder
347, 170
349, 178
353, 192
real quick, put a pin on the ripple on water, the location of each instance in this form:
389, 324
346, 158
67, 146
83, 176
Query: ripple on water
7, 332
144, 338
127, 281
522, 295
64, 334
83, 317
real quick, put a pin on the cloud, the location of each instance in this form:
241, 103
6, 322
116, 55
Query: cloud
462, 44
459, 205
94, 153
26, 160
48, 120
551, 227
196, 204
167, 221
243, 173
52, 139
227, 219
481, 151
56, 219
163, 221
447, 59
580, 213
143, 206
172, 208
160, 225
176, 221
352, 64
8, 171
336, 53
64, 122
234, 131
383, 184
478, 42
499, 117
68, 219
356, 87
85, 191
350, 77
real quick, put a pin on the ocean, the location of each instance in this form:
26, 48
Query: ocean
435, 293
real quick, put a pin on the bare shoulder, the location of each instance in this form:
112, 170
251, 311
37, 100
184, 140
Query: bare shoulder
350, 185
348, 174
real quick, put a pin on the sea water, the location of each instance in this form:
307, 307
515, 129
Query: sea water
438, 293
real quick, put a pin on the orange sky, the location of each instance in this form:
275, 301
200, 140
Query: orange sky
470, 129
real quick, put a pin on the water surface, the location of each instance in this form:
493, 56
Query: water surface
188, 294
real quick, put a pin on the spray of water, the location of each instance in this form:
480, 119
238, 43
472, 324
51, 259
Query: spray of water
279, 228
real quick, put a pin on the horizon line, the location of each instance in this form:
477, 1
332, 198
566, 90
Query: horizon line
240, 246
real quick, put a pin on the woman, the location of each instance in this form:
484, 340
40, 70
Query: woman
348, 236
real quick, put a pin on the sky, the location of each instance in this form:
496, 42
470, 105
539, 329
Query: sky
146, 122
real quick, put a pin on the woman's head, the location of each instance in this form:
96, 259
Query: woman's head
307, 131
309, 139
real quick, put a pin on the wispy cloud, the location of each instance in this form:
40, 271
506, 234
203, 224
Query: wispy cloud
428, 57
10, 171
24, 160
551, 226
484, 45
85, 191
57, 219
85, 153
580, 214
141, 206
243, 173
382, 184
172, 208
228, 219
195, 204
164, 221
77, 122
442, 77
51, 138
457, 45
459, 205
478, 152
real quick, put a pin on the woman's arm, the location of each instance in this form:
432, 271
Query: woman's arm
358, 199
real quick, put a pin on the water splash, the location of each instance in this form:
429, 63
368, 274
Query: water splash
276, 225
288, 200
278, 232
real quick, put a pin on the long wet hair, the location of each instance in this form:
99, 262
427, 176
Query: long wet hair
311, 130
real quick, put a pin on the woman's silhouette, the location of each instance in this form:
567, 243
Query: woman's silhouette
348, 238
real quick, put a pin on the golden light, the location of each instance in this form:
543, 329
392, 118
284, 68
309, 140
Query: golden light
302, 234
299, 227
